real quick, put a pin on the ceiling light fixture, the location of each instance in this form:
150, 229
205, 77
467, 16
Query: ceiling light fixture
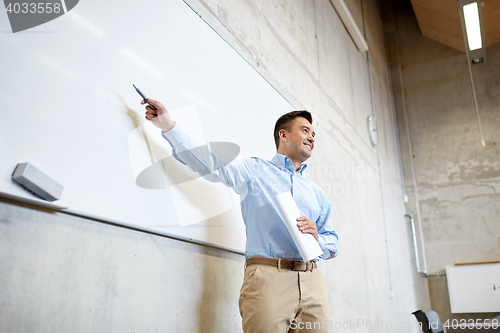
472, 24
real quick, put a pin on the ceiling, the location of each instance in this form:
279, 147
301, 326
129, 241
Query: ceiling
439, 20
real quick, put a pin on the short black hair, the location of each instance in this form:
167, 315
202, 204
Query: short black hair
286, 122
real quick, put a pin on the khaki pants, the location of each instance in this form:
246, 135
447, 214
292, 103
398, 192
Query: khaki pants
279, 301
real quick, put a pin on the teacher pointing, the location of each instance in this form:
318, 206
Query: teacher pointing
280, 292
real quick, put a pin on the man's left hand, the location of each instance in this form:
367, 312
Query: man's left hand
307, 226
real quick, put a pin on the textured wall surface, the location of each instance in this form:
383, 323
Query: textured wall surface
453, 183
63, 273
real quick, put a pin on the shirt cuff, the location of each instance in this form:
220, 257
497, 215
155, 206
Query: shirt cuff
176, 136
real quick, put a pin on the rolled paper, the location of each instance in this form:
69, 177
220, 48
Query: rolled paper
306, 243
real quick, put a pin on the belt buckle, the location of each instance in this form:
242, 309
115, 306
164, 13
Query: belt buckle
297, 269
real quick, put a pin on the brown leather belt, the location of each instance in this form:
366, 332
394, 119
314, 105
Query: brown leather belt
289, 264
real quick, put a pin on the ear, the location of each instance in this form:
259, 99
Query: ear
283, 135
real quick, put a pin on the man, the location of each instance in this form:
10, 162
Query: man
280, 293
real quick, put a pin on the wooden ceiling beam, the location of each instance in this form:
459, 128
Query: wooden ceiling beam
440, 21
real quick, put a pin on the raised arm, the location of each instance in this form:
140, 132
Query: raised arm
198, 158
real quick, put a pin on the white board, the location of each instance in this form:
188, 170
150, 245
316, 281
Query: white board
67, 106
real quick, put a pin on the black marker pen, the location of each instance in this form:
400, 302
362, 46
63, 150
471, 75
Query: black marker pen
144, 96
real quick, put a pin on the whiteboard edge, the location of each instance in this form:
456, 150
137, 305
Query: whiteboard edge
66, 210
33, 201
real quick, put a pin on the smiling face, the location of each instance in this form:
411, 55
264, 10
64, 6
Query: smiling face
297, 144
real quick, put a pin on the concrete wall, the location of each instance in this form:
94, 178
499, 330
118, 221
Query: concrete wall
63, 273
453, 183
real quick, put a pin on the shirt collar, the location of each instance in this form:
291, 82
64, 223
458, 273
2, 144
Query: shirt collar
285, 162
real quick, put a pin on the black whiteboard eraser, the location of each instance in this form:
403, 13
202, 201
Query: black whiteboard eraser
37, 182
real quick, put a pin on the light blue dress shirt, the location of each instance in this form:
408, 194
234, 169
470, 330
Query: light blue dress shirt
257, 181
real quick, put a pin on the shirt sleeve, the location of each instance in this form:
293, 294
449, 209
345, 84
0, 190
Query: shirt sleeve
235, 174
328, 238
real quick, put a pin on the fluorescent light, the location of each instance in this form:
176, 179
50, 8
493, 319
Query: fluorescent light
86, 24
472, 26
142, 63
